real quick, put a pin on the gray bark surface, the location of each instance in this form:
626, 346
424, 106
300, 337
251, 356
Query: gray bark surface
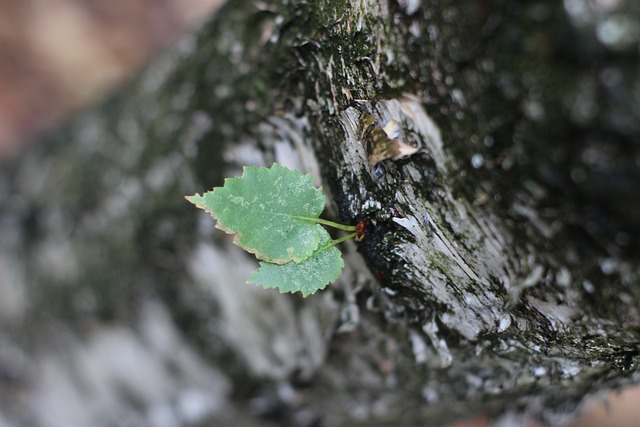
499, 272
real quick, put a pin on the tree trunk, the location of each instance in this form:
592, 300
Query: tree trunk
499, 272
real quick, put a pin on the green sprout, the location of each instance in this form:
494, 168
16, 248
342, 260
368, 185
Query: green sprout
274, 214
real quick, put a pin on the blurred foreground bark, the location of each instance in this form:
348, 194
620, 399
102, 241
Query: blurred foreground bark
500, 269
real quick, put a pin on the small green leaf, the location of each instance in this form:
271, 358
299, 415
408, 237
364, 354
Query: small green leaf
272, 211
309, 276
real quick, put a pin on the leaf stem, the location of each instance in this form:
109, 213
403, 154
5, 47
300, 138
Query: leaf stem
340, 240
329, 223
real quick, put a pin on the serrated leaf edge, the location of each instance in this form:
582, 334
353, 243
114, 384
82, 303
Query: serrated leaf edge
238, 236
304, 294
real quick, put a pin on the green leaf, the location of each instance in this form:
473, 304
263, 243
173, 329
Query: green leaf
272, 211
309, 276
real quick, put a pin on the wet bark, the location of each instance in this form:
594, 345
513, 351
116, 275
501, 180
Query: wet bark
499, 272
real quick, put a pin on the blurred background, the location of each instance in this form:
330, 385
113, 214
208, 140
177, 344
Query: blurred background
58, 56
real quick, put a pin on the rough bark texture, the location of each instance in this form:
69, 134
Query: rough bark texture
500, 268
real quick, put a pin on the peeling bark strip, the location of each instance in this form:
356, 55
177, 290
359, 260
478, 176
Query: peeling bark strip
379, 141
499, 272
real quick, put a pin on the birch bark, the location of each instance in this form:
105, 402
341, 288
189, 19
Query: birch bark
500, 268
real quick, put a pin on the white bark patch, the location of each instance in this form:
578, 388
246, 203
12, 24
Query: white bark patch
418, 346
559, 316
431, 329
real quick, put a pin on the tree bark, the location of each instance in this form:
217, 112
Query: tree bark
499, 272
